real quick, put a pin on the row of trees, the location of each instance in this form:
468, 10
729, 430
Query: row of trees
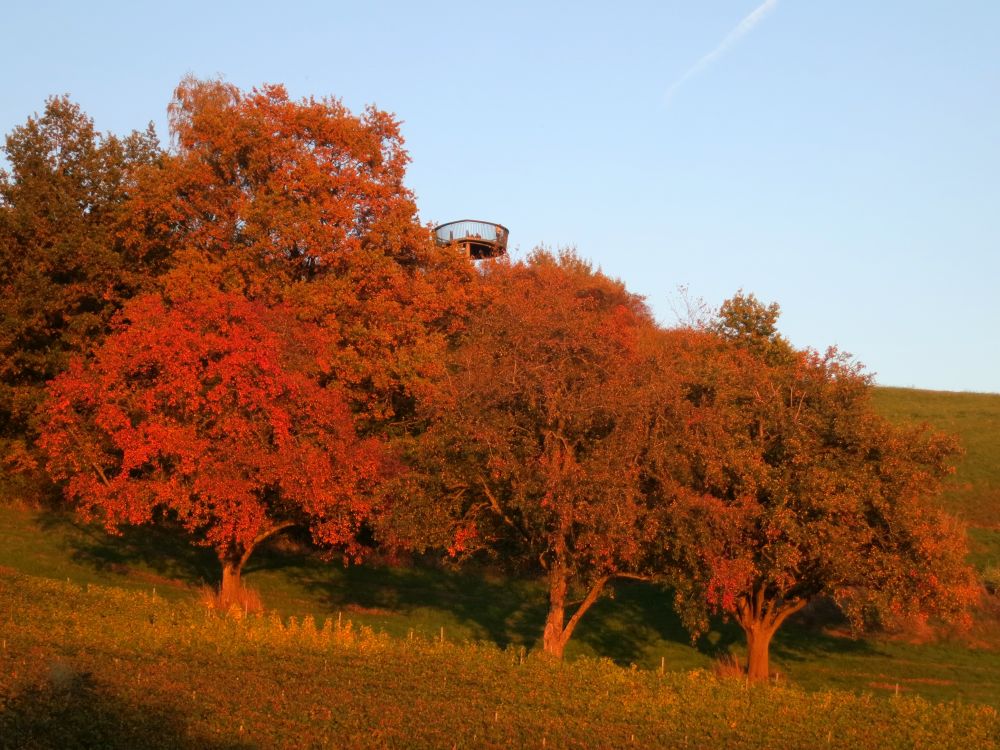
253, 331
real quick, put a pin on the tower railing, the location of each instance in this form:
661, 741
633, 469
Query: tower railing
479, 239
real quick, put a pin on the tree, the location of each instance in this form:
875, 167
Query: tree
536, 434
303, 202
209, 411
63, 271
289, 220
787, 486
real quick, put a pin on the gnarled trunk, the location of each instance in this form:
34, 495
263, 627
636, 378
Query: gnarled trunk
557, 629
760, 620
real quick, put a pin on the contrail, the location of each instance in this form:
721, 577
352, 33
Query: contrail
743, 28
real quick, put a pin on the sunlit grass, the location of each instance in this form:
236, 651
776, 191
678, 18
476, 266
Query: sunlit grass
109, 668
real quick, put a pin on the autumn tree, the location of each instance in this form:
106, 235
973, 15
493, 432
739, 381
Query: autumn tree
209, 411
786, 486
280, 222
535, 436
303, 202
63, 269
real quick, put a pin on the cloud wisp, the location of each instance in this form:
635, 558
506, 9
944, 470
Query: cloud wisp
743, 28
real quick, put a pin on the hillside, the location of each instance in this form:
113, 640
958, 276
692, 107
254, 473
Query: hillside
197, 680
973, 494
637, 627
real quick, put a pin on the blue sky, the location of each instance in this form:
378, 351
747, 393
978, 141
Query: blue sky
839, 158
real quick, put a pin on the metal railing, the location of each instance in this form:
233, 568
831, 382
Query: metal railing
472, 230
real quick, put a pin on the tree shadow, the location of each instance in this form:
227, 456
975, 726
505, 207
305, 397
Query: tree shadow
72, 711
807, 636
164, 551
507, 612
636, 614
502, 610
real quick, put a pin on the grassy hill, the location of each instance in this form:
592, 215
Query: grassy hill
637, 627
973, 493
92, 667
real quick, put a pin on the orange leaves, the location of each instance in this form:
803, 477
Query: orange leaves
539, 418
207, 407
814, 492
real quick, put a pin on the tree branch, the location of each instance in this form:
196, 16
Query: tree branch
595, 591
783, 613
100, 473
495, 505
262, 536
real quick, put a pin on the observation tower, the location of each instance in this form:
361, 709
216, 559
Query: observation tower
472, 238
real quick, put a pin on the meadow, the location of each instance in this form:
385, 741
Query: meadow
100, 667
104, 637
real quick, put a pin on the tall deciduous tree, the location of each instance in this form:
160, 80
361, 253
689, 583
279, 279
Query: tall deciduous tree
788, 486
209, 411
303, 202
536, 436
295, 215
63, 270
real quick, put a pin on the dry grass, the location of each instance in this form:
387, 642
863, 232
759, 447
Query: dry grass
728, 667
244, 601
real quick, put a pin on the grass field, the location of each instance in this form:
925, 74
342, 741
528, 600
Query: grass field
95, 667
495, 615
973, 494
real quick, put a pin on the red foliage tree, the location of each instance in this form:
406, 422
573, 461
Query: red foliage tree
284, 223
536, 434
303, 202
209, 411
785, 485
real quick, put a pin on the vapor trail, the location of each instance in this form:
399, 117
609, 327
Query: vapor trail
743, 28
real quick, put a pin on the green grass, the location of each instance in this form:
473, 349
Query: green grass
99, 667
973, 493
637, 626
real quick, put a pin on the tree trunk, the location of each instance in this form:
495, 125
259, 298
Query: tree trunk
760, 620
229, 593
233, 560
553, 641
758, 645
557, 630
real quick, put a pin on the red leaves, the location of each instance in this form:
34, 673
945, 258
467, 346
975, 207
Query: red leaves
208, 407
539, 417
301, 306
814, 492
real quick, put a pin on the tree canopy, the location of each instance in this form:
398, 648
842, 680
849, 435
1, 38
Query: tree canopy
791, 487
63, 269
537, 431
309, 306
210, 411
303, 202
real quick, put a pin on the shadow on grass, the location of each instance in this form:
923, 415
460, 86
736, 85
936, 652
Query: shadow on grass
507, 612
165, 552
642, 614
501, 610
72, 711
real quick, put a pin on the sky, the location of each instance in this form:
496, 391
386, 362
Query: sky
839, 158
